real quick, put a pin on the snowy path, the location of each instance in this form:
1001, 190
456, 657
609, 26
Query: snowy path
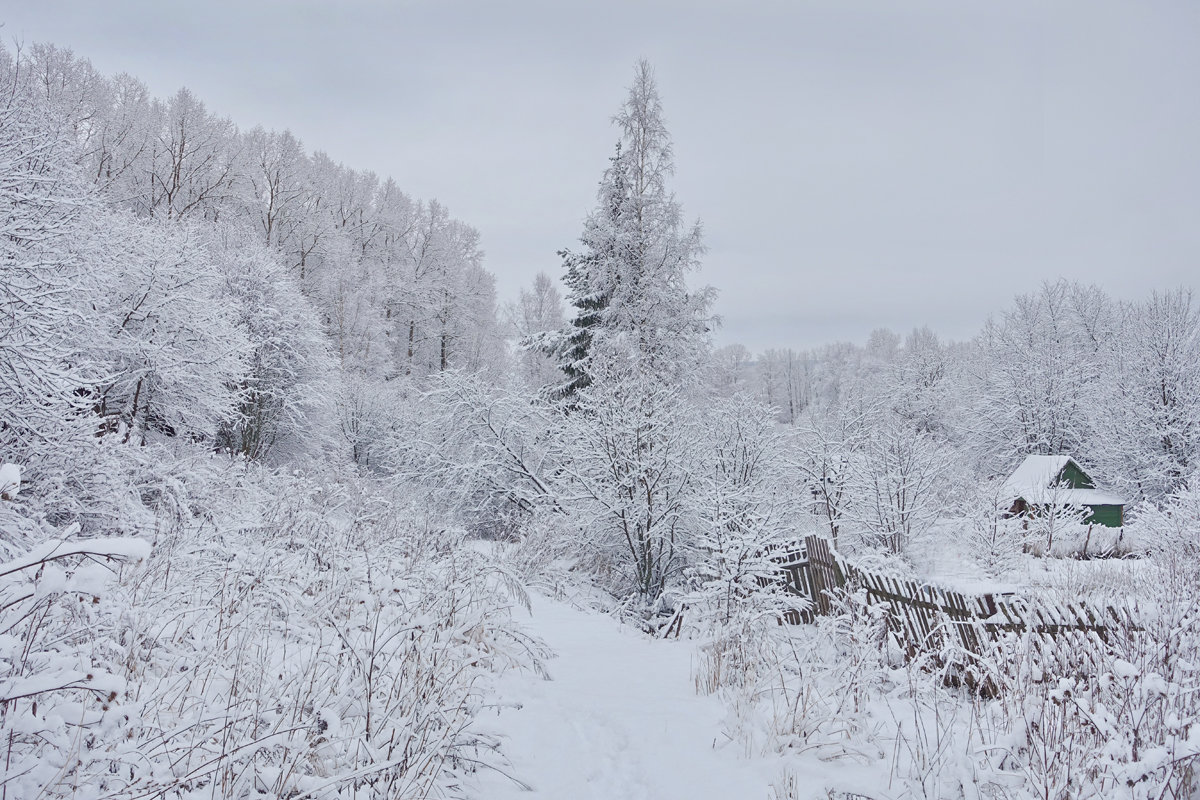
619, 721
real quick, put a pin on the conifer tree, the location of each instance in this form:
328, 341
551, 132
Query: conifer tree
633, 351
632, 308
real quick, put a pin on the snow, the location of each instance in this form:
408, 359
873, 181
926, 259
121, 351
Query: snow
1033, 481
1036, 472
10, 481
1076, 497
1123, 669
619, 719
122, 548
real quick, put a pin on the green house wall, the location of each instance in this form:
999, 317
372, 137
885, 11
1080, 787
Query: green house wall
1071, 475
1110, 516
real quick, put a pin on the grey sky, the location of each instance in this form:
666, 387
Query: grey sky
855, 164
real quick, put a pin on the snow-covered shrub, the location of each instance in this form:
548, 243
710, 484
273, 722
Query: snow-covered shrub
1100, 581
60, 664
1055, 529
477, 450
630, 466
745, 505
995, 540
545, 550
1171, 530
804, 688
895, 483
1075, 539
1124, 721
1034, 715
369, 413
737, 656
284, 638
1111, 714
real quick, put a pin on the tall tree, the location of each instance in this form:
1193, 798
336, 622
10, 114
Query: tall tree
632, 307
1148, 413
194, 160
1039, 363
639, 338
44, 207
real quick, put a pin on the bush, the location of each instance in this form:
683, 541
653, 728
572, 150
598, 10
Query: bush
281, 639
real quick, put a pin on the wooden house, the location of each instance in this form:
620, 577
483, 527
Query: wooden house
1043, 481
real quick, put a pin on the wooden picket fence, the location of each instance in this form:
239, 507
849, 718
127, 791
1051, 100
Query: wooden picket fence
794, 569
926, 618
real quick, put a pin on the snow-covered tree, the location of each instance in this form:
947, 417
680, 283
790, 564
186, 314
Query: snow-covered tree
169, 356
633, 310
731, 371
919, 382
635, 345
631, 462
786, 381
44, 208
536, 317
439, 302
194, 161
1033, 385
283, 400
829, 445
895, 483
994, 537
278, 189
746, 498
1149, 420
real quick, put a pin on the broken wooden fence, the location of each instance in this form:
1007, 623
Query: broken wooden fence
794, 569
928, 618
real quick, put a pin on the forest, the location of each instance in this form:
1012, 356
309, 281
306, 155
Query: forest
280, 471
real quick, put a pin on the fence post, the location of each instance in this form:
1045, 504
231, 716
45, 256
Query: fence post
826, 575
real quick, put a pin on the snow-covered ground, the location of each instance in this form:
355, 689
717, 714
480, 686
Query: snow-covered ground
619, 719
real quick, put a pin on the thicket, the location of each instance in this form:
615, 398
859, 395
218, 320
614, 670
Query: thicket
204, 592
258, 634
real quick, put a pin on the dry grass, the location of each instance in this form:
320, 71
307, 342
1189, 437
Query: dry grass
331, 649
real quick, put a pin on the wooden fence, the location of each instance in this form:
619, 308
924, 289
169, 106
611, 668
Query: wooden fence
795, 571
927, 618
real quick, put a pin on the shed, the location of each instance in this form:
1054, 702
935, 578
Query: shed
1042, 481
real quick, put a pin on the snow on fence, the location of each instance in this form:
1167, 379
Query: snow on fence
926, 618
794, 568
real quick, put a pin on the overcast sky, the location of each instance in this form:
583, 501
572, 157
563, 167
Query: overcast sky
855, 164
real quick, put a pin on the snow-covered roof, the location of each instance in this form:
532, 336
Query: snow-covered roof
1035, 472
1072, 497
1034, 481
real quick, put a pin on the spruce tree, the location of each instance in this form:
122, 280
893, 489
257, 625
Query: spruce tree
633, 313
588, 291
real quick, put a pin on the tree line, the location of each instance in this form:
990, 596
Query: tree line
170, 278
169, 275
